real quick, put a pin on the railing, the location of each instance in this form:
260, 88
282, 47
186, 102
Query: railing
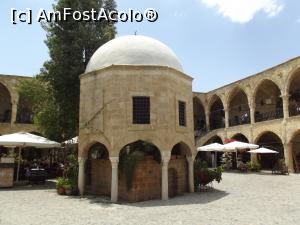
277, 114
200, 132
5, 117
217, 124
25, 117
239, 120
294, 110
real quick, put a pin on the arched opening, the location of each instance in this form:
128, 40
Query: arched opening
208, 157
178, 170
296, 151
24, 112
139, 172
199, 118
5, 105
268, 102
98, 170
271, 141
217, 115
239, 111
294, 93
242, 155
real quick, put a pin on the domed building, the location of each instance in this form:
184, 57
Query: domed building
136, 139
140, 122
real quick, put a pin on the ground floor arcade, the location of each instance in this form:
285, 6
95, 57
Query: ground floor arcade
140, 172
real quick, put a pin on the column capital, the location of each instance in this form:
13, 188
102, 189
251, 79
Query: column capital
165, 157
285, 97
114, 160
82, 159
190, 158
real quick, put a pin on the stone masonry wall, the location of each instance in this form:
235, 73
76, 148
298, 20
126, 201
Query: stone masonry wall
146, 184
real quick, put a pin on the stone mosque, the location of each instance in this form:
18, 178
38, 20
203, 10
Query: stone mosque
134, 94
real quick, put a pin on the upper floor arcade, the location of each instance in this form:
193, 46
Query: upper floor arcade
269, 95
15, 113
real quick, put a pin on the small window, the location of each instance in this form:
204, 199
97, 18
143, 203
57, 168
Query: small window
141, 110
181, 108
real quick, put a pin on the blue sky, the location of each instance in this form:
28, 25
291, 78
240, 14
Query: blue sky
217, 41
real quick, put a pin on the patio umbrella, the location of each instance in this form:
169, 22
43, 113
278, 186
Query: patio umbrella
71, 141
23, 139
263, 151
237, 145
211, 148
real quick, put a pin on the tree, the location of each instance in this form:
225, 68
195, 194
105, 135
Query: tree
71, 45
39, 95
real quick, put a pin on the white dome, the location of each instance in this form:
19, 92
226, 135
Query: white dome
133, 50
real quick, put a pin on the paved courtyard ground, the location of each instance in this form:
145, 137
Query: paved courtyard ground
240, 199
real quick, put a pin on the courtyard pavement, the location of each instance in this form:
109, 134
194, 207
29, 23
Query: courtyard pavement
240, 199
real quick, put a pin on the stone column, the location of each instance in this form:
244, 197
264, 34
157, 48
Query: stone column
81, 175
288, 156
252, 111
207, 121
226, 110
164, 175
190, 160
14, 109
114, 178
285, 104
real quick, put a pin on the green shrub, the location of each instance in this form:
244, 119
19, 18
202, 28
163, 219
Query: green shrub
204, 176
253, 166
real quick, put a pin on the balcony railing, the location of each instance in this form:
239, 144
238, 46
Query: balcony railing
272, 115
5, 117
239, 120
200, 132
25, 117
294, 110
217, 124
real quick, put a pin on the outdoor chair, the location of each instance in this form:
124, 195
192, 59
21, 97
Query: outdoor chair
280, 168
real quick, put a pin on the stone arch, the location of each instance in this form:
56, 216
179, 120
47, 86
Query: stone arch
244, 156
238, 107
139, 171
291, 76
208, 157
268, 101
138, 137
85, 144
199, 117
293, 91
240, 137
271, 140
98, 170
5, 103
295, 148
178, 169
216, 113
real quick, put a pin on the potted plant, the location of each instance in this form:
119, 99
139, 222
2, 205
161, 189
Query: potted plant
61, 181
68, 188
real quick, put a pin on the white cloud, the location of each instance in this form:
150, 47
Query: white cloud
242, 11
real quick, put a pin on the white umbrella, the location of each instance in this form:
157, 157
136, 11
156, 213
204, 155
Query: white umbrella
236, 145
23, 139
73, 140
263, 151
210, 147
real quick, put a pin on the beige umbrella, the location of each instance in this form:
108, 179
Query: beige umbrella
23, 139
